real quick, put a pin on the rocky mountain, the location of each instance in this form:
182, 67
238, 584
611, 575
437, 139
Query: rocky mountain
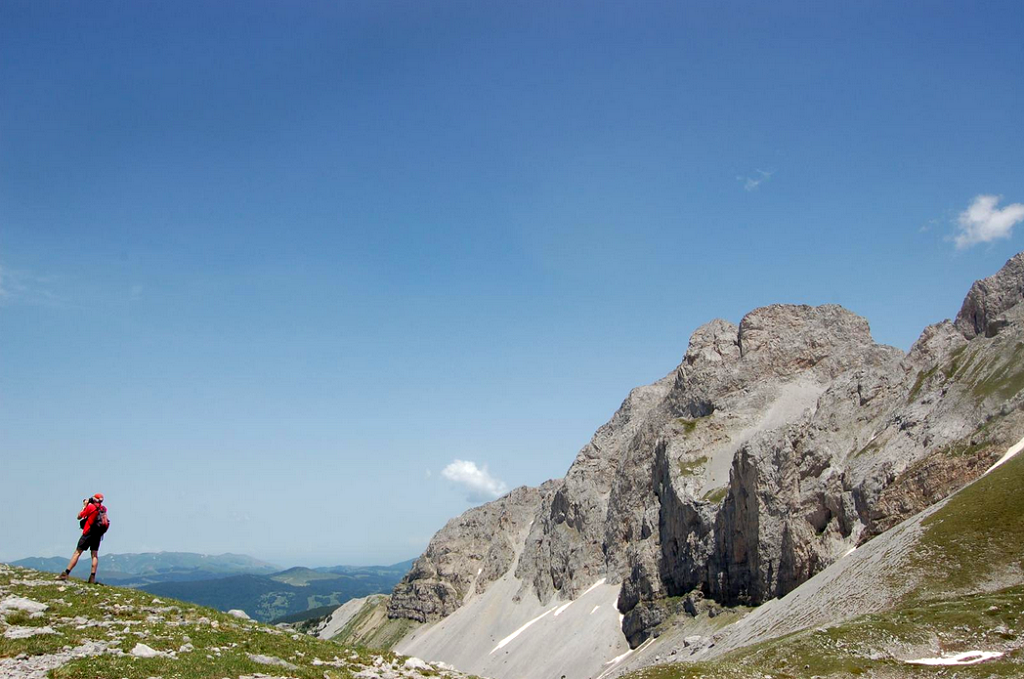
941, 594
776, 447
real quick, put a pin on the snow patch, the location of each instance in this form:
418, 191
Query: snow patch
619, 658
965, 658
590, 589
504, 642
1013, 450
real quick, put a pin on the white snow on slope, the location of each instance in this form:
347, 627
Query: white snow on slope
614, 662
589, 590
575, 644
965, 658
1013, 450
504, 642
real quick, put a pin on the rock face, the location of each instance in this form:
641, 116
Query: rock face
775, 447
470, 552
991, 297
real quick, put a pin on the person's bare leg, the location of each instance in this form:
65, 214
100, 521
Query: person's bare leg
95, 563
71, 565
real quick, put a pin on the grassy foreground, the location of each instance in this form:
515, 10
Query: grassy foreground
866, 646
103, 625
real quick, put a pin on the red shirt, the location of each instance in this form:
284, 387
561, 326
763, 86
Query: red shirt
89, 514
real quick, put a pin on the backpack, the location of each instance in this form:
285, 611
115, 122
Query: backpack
101, 524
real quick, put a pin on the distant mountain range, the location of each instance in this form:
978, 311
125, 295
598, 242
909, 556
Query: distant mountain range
291, 593
227, 581
135, 570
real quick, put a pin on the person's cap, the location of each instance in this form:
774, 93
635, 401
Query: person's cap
99, 496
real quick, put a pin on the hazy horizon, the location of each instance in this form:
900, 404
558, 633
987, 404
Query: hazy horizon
306, 281
282, 566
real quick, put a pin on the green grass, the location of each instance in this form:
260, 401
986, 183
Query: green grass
1003, 380
956, 362
689, 467
716, 495
978, 533
301, 577
871, 446
222, 644
688, 425
922, 377
855, 648
988, 377
371, 628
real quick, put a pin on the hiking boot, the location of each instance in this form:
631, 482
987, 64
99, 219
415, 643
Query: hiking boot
62, 576
92, 578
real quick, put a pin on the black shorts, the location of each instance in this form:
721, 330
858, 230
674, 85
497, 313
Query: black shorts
90, 541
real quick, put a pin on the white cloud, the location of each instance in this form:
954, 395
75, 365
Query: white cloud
982, 222
24, 287
751, 183
477, 481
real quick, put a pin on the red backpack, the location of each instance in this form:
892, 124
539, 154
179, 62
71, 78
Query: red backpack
101, 524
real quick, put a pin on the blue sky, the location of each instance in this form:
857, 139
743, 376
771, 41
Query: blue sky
268, 269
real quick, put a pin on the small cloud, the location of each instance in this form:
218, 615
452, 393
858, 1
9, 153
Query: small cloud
982, 222
25, 287
477, 481
751, 183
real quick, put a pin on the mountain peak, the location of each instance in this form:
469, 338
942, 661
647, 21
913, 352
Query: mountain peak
991, 297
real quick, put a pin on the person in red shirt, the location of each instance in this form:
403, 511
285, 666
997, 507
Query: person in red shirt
90, 538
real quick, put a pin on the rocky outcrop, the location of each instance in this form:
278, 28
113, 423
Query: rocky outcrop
775, 447
470, 552
990, 297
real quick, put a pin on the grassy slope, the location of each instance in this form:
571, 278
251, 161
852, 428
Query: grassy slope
300, 577
971, 549
126, 617
371, 627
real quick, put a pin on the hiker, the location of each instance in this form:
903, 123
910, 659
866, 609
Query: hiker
94, 523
